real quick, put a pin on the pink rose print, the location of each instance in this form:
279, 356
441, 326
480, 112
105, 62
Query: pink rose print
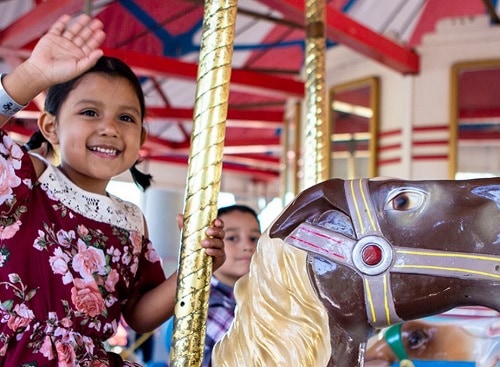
9, 231
9, 148
65, 355
111, 280
86, 297
82, 230
8, 180
59, 265
136, 239
97, 364
65, 238
21, 318
126, 257
3, 258
39, 242
89, 260
46, 348
114, 253
151, 254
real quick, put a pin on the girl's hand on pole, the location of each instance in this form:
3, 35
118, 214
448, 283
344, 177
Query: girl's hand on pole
214, 244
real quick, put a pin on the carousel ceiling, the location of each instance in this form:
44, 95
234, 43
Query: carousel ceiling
160, 40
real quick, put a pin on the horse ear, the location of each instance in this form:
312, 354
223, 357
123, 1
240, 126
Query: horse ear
309, 204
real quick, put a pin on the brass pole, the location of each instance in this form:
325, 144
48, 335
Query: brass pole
317, 129
203, 181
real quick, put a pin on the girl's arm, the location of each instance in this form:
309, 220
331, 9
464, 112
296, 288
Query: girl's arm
157, 305
64, 52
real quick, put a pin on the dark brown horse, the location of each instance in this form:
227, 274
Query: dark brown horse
378, 252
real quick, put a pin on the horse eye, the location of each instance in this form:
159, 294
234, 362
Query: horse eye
416, 339
405, 200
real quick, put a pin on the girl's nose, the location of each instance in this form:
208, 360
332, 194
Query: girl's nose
108, 127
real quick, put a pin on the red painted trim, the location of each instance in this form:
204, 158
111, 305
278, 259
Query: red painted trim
35, 23
256, 174
430, 128
430, 142
153, 65
385, 162
236, 114
389, 147
479, 135
384, 134
354, 35
430, 157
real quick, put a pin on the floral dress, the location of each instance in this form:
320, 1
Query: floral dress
69, 260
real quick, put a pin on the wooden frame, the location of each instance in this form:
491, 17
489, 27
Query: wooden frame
456, 69
367, 109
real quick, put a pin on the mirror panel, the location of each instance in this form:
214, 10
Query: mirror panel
475, 120
354, 110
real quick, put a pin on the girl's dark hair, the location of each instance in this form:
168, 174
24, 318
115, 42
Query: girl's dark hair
58, 93
238, 208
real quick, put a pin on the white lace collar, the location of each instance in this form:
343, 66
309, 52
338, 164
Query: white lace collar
107, 209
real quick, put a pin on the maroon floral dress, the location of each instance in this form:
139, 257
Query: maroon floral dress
69, 260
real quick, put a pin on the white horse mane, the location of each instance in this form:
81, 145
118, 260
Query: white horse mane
279, 319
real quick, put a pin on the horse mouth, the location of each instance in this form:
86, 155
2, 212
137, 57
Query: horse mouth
335, 221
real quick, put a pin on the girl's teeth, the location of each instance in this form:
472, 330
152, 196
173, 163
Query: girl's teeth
104, 150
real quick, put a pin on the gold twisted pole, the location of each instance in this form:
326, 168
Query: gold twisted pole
203, 181
317, 129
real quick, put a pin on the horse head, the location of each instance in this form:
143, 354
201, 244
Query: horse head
374, 253
385, 251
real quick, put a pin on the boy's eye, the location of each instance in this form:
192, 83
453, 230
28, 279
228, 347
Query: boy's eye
255, 239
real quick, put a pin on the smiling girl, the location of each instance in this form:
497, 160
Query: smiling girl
74, 258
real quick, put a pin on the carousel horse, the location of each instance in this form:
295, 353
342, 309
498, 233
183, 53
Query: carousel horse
348, 257
472, 340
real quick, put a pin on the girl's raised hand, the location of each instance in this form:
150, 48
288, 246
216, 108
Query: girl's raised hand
68, 49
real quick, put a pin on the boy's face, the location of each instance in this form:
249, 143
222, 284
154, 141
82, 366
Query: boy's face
242, 234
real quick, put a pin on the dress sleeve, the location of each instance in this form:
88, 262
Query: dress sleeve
150, 271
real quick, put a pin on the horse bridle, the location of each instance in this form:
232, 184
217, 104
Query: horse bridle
373, 257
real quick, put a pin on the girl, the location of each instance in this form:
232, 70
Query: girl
72, 257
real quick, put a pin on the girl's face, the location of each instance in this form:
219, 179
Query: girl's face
98, 130
242, 234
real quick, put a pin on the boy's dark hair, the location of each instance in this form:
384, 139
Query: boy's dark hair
238, 208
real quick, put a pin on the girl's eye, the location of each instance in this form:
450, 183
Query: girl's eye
405, 200
254, 239
89, 113
127, 118
231, 238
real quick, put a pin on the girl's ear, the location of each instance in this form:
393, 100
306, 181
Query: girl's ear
144, 135
47, 126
